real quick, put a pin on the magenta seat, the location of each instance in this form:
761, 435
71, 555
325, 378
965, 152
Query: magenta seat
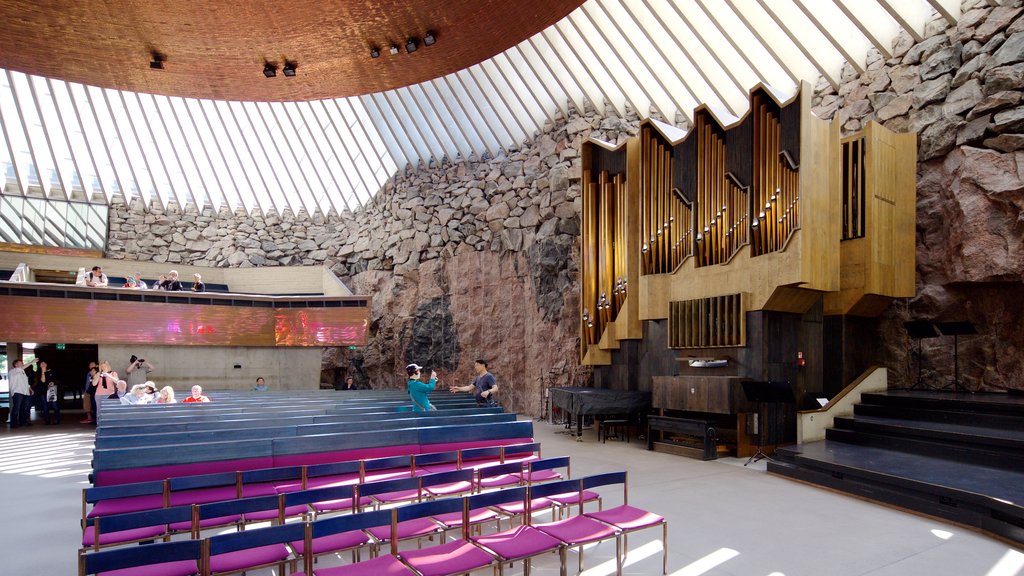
386, 565
391, 474
123, 505
289, 512
343, 504
262, 489
177, 568
408, 529
627, 518
342, 541
570, 498
206, 523
521, 542
519, 507
449, 489
453, 557
242, 559
454, 519
131, 475
318, 482
204, 495
397, 496
435, 468
542, 476
500, 480
344, 455
106, 538
577, 530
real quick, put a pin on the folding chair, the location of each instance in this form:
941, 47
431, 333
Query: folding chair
626, 518
179, 558
330, 541
452, 483
243, 551
386, 565
132, 527
499, 476
459, 556
575, 531
522, 543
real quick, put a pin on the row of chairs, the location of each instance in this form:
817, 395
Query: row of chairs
204, 488
286, 544
347, 496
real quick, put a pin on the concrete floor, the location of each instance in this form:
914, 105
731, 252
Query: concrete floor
724, 519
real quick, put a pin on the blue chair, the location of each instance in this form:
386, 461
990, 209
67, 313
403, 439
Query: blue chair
179, 558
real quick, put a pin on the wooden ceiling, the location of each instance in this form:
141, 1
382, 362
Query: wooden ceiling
217, 49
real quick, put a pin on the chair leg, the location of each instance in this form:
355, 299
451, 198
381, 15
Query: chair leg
618, 558
580, 560
561, 560
664, 548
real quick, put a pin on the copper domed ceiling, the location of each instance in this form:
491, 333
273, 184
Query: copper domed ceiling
217, 49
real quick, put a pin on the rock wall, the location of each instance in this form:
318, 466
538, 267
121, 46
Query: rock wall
467, 260
960, 89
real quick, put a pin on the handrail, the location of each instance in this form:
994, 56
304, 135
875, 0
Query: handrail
811, 424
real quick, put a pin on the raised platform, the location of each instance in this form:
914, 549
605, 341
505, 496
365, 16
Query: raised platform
955, 456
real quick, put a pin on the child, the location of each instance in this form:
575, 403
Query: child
52, 404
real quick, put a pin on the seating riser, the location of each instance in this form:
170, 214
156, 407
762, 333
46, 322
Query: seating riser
957, 437
293, 430
963, 404
1008, 459
914, 498
998, 421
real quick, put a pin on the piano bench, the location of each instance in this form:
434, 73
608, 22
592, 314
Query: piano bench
613, 428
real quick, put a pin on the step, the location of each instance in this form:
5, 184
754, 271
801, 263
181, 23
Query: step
1002, 421
951, 433
979, 496
981, 403
963, 454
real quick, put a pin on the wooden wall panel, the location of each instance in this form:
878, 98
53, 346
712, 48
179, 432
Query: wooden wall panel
59, 320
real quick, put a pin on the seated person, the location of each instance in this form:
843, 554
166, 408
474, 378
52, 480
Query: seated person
139, 282
261, 385
197, 395
140, 394
166, 396
197, 283
419, 387
170, 282
96, 278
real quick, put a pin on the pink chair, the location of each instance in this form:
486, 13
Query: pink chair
522, 543
626, 518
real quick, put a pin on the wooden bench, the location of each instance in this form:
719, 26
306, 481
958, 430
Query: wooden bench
702, 429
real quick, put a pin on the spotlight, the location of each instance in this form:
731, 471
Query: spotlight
374, 52
394, 49
289, 68
412, 45
157, 62
269, 69
429, 38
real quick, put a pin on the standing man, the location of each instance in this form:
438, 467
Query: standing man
483, 387
419, 388
21, 394
138, 371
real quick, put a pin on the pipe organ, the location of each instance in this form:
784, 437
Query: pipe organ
769, 212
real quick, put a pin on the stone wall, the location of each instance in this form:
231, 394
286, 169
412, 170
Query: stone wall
960, 89
465, 260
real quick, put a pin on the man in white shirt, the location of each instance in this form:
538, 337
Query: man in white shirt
21, 394
96, 278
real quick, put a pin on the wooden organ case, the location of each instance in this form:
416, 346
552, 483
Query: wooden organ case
735, 240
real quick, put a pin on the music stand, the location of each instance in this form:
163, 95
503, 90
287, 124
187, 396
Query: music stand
957, 329
919, 330
768, 396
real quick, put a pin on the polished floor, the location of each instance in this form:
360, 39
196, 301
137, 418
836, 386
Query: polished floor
724, 519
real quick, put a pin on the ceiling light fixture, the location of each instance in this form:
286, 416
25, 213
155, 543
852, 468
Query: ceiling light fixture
289, 68
412, 45
269, 69
429, 38
394, 49
157, 61
374, 52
